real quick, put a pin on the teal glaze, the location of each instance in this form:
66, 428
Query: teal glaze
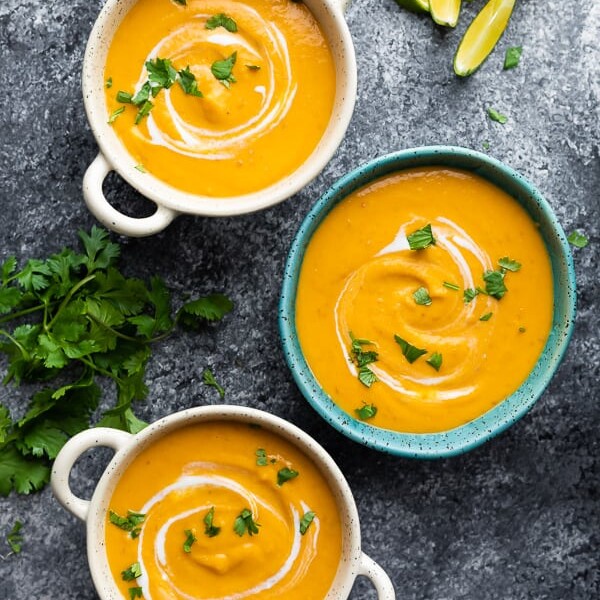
512, 408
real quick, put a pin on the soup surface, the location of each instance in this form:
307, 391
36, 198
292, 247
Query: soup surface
267, 82
223, 510
426, 339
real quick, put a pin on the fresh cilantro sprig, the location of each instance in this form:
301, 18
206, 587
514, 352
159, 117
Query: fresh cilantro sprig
208, 379
221, 20
210, 529
245, 523
223, 70
411, 353
131, 523
15, 538
286, 474
421, 238
306, 520
366, 411
190, 539
132, 572
363, 358
69, 322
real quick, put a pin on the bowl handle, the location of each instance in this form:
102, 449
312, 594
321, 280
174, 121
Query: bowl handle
108, 215
369, 568
343, 4
70, 452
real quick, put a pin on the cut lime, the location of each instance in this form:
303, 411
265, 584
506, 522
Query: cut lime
445, 12
482, 35
414, 5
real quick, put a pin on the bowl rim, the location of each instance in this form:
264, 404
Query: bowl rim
477, 431
165, 195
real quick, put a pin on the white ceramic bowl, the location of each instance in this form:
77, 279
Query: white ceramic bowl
352, 563
169, 200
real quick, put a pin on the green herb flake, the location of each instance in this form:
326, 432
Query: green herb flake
579, 240
141, 168
188, 83
486, 317
286, 474
469, 295
253, 67
422, 297
262, 460
135, 592
421, 238
144, 111
189, 540
181, 2
359, 356
15, 538
114, 115
485, 145
494, 284
306, 520
512, 57
451, 286
124, 97
109, 83
244, 523
435, 361
209, 379
133, 572
130, 523
209, 528
222, 20
142, 95
161, 74
494, 115
411, 353
366, 411
223, 70
509, 264
367, 377
522, 329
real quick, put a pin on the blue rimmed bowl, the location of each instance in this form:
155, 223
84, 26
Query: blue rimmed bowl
513, 407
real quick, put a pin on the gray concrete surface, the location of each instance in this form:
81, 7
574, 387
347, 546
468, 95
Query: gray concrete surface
517, 518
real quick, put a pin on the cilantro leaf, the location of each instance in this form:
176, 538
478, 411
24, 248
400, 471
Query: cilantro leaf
23, 474
361, 357
125, 97
494, 284
411, 353
494, 115
188, 83
207, 308
366, 411
7, 268
131, 523
261, 457
132, 572
286, 474
223, 70
9, 298
579, 240
451, 286
421, 238
101, 253
512, 57
182, 2
15, 538
253, 67
144, 111
222, 20
486, 317
367, 377
509, 264
306, 520
421, 296
161, 74
209, 379
114, 115
189, 541
143, 95
135, 592
5, 423
109, 83
469, 295
435, 360
209, 528
244, 523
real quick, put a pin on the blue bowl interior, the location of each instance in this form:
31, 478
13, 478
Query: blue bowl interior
470, 435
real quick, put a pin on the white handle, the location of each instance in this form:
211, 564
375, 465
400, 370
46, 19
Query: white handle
369, 568
70, 452
108, 215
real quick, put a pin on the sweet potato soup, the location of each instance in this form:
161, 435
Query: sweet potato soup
424, 299
223, 510
219, 97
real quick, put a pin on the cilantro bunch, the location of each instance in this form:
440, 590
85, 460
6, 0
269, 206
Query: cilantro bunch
64, 322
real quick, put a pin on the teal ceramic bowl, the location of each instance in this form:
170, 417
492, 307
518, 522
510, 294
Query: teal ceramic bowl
512, 408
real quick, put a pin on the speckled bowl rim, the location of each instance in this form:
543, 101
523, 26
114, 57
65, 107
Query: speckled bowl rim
511, 409
350, 560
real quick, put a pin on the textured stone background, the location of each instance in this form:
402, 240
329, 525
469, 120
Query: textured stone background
517, 518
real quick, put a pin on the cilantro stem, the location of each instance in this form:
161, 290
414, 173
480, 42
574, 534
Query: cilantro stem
91, 365
22, 313
24, 352
67, 299
118, 334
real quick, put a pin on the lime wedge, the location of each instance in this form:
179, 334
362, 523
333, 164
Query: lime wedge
445, 12
482, 35
414, 5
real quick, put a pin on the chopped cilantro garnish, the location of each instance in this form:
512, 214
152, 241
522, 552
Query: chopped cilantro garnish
135, 592
421, 238
512, 57
109, 83
579, 240
15, 538
509, 264
486, 317
286, 474
143, 94
262, 459
451, 286
435, 360
522, 330
367, 377
114, 115
141, 168
182, 2
469, 294
253, 67
124, 97
494, 284
188, 83
244, 523
411, 353
131, 522
133, 572
306, 520
144, 111
422, 297
189, 541
209, 529
494, 115
223, 70
366, 411
222, 20
360, 356
161, 74
209, 379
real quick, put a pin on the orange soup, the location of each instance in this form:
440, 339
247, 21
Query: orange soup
219, 97
424, 299
223, 510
